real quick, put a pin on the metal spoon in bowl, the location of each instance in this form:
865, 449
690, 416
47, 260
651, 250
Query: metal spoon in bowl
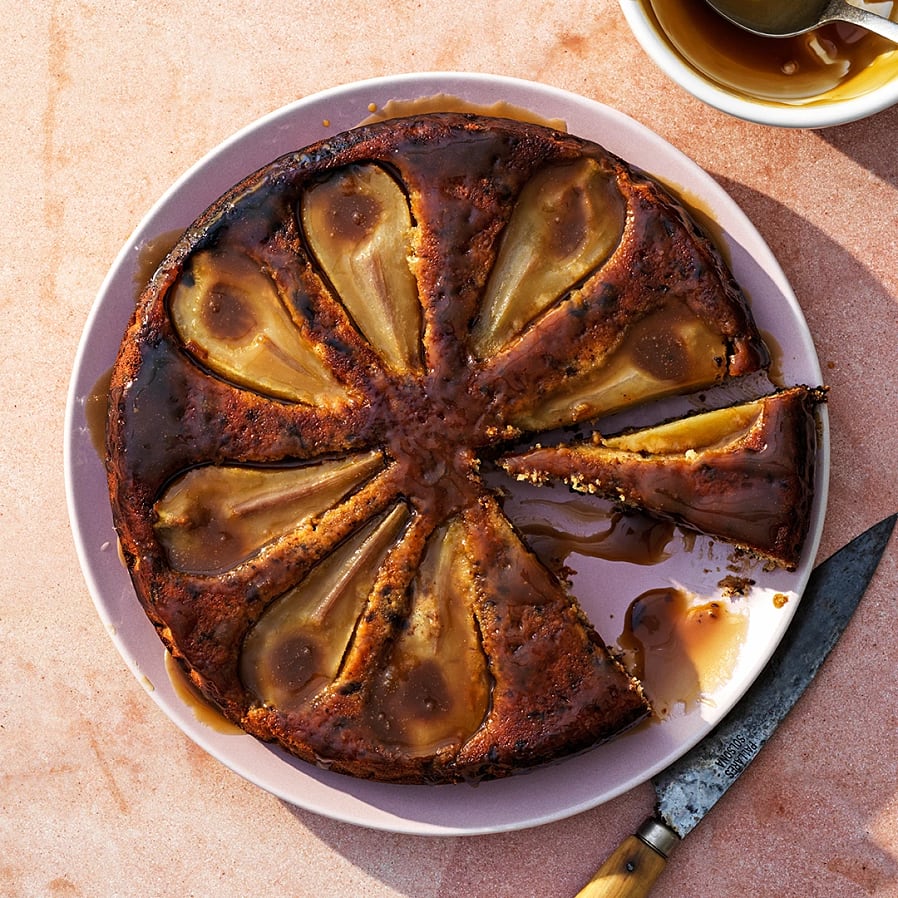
777, 18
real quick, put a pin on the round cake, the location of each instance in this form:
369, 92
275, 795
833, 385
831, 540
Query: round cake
312, 391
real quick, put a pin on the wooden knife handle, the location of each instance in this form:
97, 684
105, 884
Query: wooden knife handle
634, 866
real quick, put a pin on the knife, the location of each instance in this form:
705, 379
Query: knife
691, 786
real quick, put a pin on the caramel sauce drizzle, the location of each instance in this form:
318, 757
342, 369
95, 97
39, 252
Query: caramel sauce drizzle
450, 103
203, 711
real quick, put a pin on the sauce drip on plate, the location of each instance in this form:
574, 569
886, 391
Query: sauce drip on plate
681, 651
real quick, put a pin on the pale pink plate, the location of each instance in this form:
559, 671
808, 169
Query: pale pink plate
604, 588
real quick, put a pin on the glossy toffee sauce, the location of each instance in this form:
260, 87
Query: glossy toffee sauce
555, 528
678, 646
829, 63
680, 650
96, 405
203, 711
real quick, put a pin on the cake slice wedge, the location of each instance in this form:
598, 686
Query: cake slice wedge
743, 474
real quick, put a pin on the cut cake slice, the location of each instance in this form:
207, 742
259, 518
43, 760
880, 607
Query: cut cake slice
743, 474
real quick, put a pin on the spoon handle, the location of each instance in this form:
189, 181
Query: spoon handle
842, 11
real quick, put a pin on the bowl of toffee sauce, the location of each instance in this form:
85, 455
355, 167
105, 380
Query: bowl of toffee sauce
835, 74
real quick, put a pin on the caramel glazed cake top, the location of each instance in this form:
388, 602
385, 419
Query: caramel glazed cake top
307, 397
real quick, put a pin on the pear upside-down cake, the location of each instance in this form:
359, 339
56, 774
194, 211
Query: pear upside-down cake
316, 381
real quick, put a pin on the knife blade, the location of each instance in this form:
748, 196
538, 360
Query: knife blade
692, 785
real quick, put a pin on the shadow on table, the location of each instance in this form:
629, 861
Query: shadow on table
873, 148
557, 858
853, 318
827, 278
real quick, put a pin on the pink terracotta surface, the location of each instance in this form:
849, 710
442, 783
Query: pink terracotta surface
105, 105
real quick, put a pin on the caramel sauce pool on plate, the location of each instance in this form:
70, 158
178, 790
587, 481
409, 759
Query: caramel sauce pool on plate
451, 103
557, 528
204, 712
679, 650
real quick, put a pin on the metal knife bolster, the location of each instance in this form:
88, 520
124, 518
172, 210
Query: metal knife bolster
658, 836
691, 786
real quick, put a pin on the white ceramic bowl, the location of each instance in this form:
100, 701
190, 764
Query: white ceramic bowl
869, 91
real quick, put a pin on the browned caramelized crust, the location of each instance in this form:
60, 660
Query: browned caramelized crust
304, 399
744, 474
